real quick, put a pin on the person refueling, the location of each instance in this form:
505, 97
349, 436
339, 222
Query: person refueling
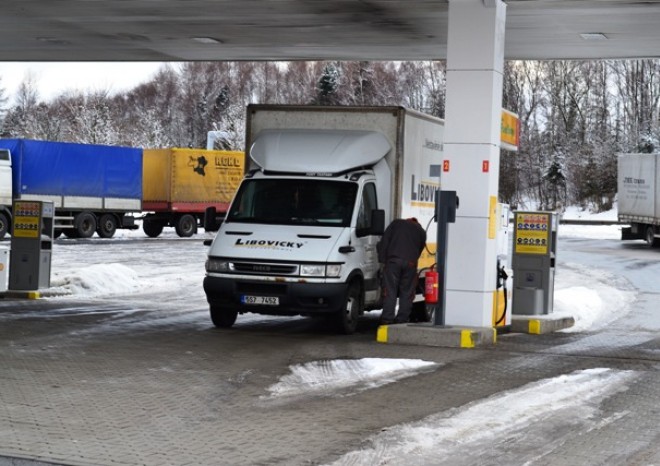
398, 251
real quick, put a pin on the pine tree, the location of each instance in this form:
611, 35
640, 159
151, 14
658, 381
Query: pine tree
328, 85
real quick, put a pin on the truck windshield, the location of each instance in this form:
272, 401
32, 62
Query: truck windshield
294, 202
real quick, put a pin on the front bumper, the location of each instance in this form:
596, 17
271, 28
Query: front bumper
295, 298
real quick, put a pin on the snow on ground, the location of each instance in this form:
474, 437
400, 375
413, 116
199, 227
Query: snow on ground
97, 280
472, 433
337, 376
588, 295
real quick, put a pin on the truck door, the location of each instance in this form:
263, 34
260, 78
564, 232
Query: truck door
367, 244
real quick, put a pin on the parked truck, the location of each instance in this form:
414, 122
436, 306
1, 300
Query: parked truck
300, 235
180, 184
94, 188
98, 188
639, 197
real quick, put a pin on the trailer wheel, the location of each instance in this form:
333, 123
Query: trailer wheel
152, 229
186, 226
347, 318
4, 225
85, 225
223, 317
107, 226
649, 237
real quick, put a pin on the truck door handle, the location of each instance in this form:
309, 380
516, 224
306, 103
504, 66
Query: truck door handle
346, 249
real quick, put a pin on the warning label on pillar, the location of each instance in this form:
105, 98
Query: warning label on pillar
532, 233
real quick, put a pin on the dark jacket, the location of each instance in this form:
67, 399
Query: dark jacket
402, 239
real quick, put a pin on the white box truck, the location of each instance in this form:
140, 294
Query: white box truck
300, 235
639, 197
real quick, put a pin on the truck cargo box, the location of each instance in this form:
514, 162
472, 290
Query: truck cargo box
639, 188
76, 176
190, 180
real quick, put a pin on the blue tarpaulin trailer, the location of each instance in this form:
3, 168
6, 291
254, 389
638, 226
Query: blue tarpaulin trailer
95, 186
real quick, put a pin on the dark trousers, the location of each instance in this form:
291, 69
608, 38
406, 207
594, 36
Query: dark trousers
399, 281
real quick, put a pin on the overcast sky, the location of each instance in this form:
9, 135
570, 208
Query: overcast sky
53, 78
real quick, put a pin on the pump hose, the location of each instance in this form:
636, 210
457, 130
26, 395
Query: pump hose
503, 276
427, 230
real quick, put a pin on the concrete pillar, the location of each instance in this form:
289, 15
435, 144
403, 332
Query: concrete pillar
475, 59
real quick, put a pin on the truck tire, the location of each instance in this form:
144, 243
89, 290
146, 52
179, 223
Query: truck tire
649, 237
152, 229
85, 225
186, 226
347, 318
223, 317
4, 225
107, 226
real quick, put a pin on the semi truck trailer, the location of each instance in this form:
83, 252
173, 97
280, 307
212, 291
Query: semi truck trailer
180, 184
98, 188
639, 197
94, 188
301, 232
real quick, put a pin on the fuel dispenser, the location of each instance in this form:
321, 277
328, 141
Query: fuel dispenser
533, 262
31, 245
446, 203
504, 279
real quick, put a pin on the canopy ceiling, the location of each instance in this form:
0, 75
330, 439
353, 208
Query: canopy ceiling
182, 30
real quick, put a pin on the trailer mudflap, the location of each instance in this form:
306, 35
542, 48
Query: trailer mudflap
627, 233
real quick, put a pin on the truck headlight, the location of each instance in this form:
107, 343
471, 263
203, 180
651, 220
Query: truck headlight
312, 270
333, 270
320, 270
217, 265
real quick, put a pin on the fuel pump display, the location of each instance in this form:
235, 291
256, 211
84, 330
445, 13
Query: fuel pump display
31, 245
534, 251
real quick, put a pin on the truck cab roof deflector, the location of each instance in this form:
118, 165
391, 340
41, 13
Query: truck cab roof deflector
333, 151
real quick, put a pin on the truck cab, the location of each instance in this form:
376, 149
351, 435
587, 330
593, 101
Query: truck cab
5, 192
301, 233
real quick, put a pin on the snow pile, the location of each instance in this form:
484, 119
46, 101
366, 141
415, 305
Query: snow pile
96, 280
576, 213
473, 432
342, 375
594, 306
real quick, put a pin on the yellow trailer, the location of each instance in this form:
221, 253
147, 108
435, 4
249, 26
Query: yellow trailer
178, 185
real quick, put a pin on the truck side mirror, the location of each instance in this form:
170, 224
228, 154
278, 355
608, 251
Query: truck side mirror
377, 224
211, 220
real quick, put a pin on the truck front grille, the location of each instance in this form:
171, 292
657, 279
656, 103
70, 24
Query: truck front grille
261, 268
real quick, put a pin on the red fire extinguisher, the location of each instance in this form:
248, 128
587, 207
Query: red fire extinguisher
431, 292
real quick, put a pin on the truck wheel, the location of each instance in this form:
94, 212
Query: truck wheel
4, 225
347, 319
186, 226
85, 225
152, 229
107, 226
651, 240
223, 317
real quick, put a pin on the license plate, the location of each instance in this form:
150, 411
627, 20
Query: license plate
261, 300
